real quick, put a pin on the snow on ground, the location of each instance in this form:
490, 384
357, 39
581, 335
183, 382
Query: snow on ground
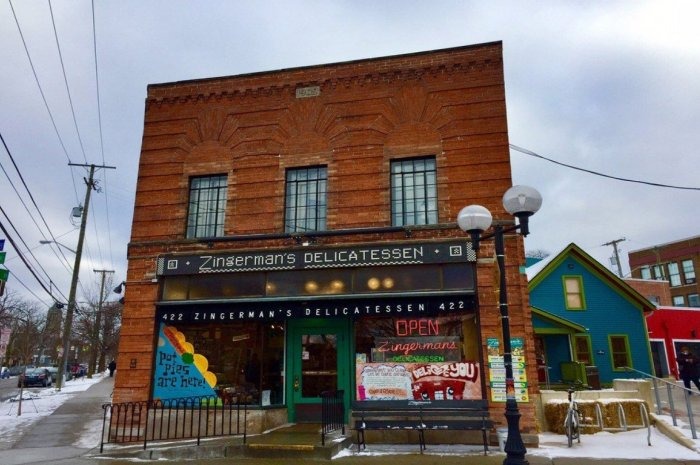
628, 444
37, 405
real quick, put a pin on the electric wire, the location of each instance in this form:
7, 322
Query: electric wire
26, 187
99, 125
28, 249
24, 260
43, 96
596, 173
65, 81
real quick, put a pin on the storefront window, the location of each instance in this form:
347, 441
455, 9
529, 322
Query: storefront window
417, 359
237, 362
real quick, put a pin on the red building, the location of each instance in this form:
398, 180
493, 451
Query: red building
671, 328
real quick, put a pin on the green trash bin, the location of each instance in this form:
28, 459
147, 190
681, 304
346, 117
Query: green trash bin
573, 373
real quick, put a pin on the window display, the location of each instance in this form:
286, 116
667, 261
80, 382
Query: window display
422, 359
239, 362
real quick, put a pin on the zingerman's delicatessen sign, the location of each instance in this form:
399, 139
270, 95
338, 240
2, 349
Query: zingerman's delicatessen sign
321, 282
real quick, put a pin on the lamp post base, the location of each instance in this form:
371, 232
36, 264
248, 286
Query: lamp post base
514, 448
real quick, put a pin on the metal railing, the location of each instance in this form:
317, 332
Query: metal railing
332, 413
669, 404
172, 419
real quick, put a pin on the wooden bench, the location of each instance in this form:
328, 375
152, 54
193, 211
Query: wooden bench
421, 416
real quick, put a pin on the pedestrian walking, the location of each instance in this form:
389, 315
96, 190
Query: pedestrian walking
113, 366
688, 368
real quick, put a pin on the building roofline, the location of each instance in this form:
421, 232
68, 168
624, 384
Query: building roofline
319, 66
664, 244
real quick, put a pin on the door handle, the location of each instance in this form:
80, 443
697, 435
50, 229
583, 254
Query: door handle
296, 383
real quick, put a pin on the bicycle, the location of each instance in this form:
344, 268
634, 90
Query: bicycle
572, 421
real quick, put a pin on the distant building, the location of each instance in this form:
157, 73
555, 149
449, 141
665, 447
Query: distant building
657, 291
675, 262
671, 328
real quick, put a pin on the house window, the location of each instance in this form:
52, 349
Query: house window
620, 352
413, 192
645, 272
674, 274
305, 199
207, 206
678, 301
688, 271
582, 349
693, 300
573, 290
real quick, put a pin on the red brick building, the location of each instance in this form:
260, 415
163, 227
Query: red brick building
294, 231
675, 262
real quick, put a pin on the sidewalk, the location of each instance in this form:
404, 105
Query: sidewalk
60, 436
70, 436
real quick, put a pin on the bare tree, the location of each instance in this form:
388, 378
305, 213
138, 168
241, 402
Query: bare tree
26, 339
537, 253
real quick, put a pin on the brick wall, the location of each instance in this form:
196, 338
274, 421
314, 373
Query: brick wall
447, 103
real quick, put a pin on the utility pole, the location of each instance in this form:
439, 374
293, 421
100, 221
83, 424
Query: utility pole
617, 254
95, 339
67, 326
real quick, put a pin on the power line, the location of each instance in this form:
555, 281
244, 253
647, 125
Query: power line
531, 153
65, 80
43, 96
26, 187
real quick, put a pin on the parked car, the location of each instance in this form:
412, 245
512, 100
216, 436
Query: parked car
35, 377
53, 371
4, 373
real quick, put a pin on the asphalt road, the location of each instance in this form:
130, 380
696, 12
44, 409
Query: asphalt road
8, 388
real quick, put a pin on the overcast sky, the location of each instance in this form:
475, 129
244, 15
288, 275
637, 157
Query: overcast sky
609, 86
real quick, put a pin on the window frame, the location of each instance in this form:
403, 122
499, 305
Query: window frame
297, 217
580, 293
677, 304
589, 348
674, 274
628, 352
417, 203
196, 229
688, 271
693, 299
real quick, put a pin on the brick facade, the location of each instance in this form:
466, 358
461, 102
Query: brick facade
361, 115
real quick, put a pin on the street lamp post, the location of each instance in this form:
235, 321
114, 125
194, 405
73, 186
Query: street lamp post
521, 202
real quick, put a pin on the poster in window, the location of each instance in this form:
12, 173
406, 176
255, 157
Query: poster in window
179, 371
418, 381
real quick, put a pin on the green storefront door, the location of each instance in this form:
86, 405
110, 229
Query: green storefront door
318, 360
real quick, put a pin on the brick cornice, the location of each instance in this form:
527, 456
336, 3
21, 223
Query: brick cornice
343, 75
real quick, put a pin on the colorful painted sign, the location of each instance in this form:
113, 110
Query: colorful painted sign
418, 381
179, 371
497, 370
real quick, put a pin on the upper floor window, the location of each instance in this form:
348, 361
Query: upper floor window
305, 199
645, 272
688, 271
674, 274
573, 290
678, 301
207, 206
414, 192
659, 272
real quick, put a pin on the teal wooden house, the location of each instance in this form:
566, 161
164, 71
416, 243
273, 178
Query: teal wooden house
589, 324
